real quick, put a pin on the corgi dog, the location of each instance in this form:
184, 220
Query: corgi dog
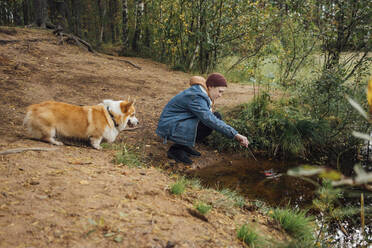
47, 119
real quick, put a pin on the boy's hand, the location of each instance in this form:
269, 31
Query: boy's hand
242, 139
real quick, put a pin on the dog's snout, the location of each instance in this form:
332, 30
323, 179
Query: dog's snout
133, 122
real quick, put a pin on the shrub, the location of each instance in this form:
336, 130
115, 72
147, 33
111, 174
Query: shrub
274, 128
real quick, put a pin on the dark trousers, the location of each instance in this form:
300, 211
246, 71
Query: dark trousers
203, 131
181, 152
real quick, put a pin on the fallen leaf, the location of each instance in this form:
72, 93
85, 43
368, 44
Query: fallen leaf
78, 162
118, 239
109, 234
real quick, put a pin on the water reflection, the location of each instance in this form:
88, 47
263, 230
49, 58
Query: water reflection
263, 180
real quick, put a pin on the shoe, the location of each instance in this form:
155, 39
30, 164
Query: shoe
191, 151
179, 155
187, 149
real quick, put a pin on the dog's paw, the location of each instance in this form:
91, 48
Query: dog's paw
55, 142
97, 147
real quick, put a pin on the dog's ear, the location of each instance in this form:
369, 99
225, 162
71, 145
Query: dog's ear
131, 101
124, 106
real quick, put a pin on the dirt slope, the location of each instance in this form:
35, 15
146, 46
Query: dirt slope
75, 196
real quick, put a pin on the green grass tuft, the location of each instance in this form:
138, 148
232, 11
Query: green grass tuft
234, 196
296, 223
127, 157
248, 236
195, 183
178, 187
203, 208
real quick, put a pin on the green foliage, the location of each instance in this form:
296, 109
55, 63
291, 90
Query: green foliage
127, 157
327, 202
179, 67
296, 223
275, 128
248, 236
202, 208
315, 122
323, 98
178, 187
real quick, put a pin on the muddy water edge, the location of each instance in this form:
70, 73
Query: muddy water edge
260, 180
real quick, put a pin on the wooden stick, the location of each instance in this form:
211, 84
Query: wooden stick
131, 128
362, 220
128, 62
17, 150
124, 60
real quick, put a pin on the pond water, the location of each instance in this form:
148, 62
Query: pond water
262, 180
267, 181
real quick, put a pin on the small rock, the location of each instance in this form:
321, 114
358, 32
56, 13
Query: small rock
41, 197
170, 244
57, 233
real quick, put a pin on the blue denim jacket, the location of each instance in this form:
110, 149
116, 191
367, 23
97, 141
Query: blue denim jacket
180, 117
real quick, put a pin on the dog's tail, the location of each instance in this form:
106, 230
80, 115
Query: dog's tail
27, 118
27, 121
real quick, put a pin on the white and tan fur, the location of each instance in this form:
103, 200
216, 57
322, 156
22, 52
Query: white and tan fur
47, 119
116, 108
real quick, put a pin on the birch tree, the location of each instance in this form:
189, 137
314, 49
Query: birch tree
138, 24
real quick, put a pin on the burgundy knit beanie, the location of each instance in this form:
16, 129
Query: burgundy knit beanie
216, 80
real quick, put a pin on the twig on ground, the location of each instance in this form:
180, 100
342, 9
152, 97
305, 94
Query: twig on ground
131, 128
18, 150
124, 60
132, 64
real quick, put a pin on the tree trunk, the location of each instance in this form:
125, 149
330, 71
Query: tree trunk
147, 32
102, 19
41, 12
137, 32
112, 14
26, 12
125, 25
17, 14
60, 11
74, 20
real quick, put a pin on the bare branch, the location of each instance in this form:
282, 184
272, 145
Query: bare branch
18, 150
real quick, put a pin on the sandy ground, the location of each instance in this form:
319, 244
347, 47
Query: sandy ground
76, 196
